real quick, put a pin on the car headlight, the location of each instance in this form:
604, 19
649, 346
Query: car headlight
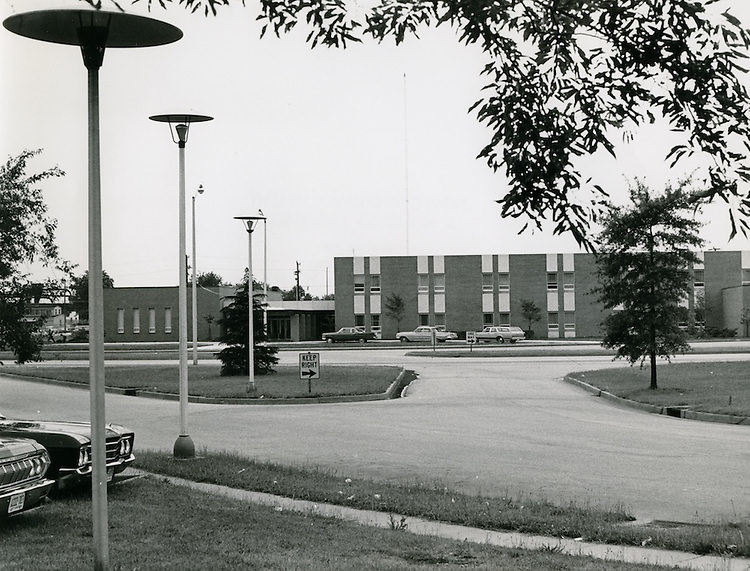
125, 447
84, 456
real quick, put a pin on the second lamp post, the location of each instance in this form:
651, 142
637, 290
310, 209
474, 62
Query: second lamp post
179, 125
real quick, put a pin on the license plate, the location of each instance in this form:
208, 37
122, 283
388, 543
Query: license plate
110, 474
16, 502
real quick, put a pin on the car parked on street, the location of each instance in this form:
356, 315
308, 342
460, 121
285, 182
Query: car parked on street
425, 333
23, 482
501, 334
69, 447
349, 334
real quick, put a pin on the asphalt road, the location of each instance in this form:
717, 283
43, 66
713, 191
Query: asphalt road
492, 425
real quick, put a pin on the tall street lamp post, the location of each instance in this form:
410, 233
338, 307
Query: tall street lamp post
93, 31
250, 223
179, 126
195, 289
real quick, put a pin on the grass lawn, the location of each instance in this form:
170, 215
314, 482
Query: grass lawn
155, 525
205, 380
603, 524
718, 387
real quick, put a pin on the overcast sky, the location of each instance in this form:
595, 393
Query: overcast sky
366, 151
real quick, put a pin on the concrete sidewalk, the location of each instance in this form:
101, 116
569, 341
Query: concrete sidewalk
629, 554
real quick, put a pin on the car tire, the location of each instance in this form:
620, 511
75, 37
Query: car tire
500, 340
329, 340
403, 339
362, 341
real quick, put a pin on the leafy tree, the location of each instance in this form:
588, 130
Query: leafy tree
209, 279
297, 293
395, 308
27, 235
531, 313
234, 322
568, 78
79, 289
643, 265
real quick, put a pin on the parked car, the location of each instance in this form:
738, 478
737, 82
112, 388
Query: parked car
425, 333
501, 334
23, 482
69, 447
349, 334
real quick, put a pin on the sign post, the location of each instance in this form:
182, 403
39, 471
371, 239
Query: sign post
471, 338
309, 368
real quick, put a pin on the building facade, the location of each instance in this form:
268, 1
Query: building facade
136, 314
465, 293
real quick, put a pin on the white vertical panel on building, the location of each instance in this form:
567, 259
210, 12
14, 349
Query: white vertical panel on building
551, 262
359, 305
503, 263
422, 266
745, 259
439, 303
486, 263
553, 333
699, 264
374, 265
423, 303
359, 265
569, 301
375, 304
570, 332
503, 302
568, 263
552, 304
438, 264
487, 305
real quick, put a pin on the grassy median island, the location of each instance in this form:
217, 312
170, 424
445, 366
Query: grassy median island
714, 387
603, 524
156, 525
205, 380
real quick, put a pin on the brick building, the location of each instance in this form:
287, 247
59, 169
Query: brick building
464, 293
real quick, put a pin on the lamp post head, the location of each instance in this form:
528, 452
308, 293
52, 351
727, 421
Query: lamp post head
179, 124
200, 189
92, 30
250, 222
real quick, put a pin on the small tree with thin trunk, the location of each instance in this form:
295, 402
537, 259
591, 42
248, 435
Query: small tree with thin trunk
395, 308
531, 313
643, 265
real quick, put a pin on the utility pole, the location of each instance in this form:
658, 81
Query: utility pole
296, 278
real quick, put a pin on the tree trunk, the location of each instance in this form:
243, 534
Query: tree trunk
652, 356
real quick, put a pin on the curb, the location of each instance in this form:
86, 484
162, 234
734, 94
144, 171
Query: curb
387, 395
418, 526
673, 411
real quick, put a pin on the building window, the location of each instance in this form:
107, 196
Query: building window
359, 320
552, 320
569, 281
504, 318
488, 319
503, 282
439, 283
698, 278
570, 320
745, 277
423, 283
375, 322
120, 320
375, 284
136, 320
440, 319
151, 320
167, 320
424, 319
359, 284
551, 281
486, 282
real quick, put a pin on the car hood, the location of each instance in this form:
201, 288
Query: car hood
14, 447
81, 431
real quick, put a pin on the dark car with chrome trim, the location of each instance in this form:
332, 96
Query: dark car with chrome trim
69, 447
23, 467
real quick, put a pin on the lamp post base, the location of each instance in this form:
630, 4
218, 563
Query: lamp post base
184, 447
